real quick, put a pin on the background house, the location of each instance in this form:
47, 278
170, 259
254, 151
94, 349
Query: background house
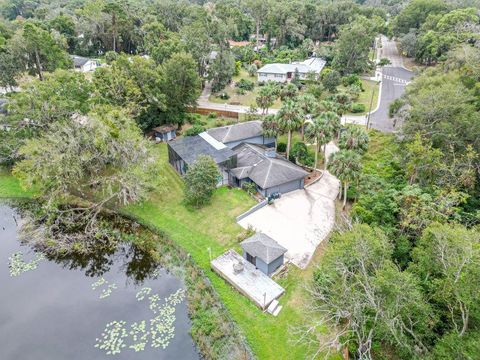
285, 72
265, 253
84, 64
165, 132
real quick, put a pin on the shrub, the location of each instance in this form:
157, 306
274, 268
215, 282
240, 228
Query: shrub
201, 180
245, 84
358, 108
250, 188
238, 66
252, 70
240, 91
352, 79
299, 152
212, 115
331, 79
224, 96
199, 122
281, 147
395, 106
110, 56
194, 130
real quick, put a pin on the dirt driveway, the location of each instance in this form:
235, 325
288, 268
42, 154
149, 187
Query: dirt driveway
299, 220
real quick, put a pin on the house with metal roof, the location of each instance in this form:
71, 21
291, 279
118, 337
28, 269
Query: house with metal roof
270, 172
285, 72
265, 253
84, 64
233, 135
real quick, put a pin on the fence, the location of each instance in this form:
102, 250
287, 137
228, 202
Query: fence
221, 113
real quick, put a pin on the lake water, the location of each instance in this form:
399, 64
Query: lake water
60, 309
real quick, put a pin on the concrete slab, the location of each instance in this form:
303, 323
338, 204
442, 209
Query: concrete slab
251, 282
299, 220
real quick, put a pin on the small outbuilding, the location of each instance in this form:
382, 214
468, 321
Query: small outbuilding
265, 253
84, 64
165, 132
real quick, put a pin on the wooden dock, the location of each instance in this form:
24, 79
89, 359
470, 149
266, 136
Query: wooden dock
249, 281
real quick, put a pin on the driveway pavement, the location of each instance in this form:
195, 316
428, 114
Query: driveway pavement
299, 220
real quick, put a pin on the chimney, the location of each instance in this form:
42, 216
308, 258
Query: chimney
270, 153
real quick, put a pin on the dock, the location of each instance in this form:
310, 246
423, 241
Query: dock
249, 281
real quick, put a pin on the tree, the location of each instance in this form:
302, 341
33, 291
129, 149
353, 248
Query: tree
353, 45
252, 70
368, 299
10, 69
266, 97
415, 13
447, 260
201, 180
39, 50
346, 166
308, 104
180, 85
100, 159
289, 118
159, 43
331, 80
271, 127
289, 91
221, 71
354, 138
321, 131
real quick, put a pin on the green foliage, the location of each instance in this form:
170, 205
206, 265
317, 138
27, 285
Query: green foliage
201, 180
245, 84
222, 70
358, 108
250, 188
354, 138
238, 67
194, 130
415, 13
330, 80
252, 70
395, 107
281, 147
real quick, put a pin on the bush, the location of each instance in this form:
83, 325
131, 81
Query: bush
250, 188
194, 130
395, 106
240, 91
252, 70
358, 108
199, 122
212, 115
331, 79
245, 84
201, 180
224, 96
110, 56
238, 66
281, 147
299, 152
352, 79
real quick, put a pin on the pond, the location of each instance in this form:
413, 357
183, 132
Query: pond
118, 305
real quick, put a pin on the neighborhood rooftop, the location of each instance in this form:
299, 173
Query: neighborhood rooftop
236, 132
265, 170
79, 61
263, 247
190, 147
310, 65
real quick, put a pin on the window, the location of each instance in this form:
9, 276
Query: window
279, 75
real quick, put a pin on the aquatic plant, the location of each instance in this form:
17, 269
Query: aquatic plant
107, 291
17, 265
139, 336
142, 293
112, 337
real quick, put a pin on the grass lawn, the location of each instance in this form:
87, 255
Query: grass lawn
246, 99
10, 187
366, 96
210, 231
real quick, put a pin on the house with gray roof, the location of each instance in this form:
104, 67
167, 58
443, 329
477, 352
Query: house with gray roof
270, 172
84, 64
285, 72
233, 135
265, 253
243, 155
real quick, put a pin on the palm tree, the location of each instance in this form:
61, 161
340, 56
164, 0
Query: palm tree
308, 104
354, 138
271, 127
289, 118
346, 166
320, 131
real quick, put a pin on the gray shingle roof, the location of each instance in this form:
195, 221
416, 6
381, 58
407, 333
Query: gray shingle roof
310, 65
265, 171
190, 147
263, 247
237, 132
79, 61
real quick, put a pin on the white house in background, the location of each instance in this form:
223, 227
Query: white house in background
285, 72
84, 64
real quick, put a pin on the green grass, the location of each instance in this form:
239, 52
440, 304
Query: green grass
366, 96
213, 227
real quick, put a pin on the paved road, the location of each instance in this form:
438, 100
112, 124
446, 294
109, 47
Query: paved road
395, 78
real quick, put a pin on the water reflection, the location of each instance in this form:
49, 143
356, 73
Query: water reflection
52, 312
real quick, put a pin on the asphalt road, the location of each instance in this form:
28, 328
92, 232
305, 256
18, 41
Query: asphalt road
394, 80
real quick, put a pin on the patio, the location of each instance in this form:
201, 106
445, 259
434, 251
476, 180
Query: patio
249, 281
